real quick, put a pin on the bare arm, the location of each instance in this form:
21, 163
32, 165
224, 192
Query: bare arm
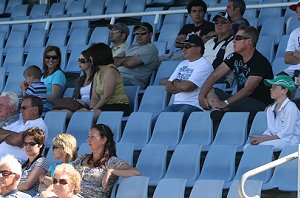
31, 179
180, 38
11, 137
292, 58
128, 61
262, 138
180, 86
56, 93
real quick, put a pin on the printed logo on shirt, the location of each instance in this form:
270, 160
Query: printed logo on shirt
184, 73
198, 33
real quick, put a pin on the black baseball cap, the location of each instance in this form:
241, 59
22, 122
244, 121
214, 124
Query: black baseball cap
223, 15
194, 39
144, 25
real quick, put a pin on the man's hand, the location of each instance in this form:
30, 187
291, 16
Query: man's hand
204, 103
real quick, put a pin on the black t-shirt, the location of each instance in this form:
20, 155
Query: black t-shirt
190, 29
258, 65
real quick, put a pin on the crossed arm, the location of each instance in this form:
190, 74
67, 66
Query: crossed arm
11, 137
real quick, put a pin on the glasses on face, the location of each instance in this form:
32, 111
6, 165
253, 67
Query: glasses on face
240, 37
56, 147
60, 181
49, 57
25, 107
222, 22
29, 144
188, 46
83, 60
140, 33
6, 173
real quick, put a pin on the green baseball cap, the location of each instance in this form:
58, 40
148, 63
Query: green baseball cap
281, 80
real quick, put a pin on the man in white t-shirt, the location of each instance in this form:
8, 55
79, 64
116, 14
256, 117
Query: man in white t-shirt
11, 135
188, 77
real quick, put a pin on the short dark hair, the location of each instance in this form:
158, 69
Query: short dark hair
33, 71
251, 32
239, 4
101, 54
196, 3
35, 102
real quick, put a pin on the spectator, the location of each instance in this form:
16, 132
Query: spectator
35, 165
139, 61
250, 68
108, 93
9, 103
11, 172
118, 35
32, 84
66, 182
101, 168
283, 117
236, 10
65, 150
11, 135
292, 52
188, 77
53, 76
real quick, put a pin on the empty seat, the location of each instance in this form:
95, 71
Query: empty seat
268, 28
132, 93
161, 47
252, 189
169, 33
84, 148
135, 6
133, 187
125, 152
164, 2
138, 129
15, 77
15, 40
99, 35
79, 37
198, 130
175, 18
76, 7
14, 58
150, 18
57, 9
266, 46
183, 165
38, 10
207, 188
115, 8
83, 24
152, 162
35, 57
174, 188
282, 46
58, 37
19, 11
291, 24
165, 70
167, 134
36, 38
278, 65
268, 13
259, 124
95, 7
2, 77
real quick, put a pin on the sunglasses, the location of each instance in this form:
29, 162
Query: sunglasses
188, 46
6, 173
222, 22
49, 57
82, 60
25, 107
60, 181
140, 33
29, 143
240, 37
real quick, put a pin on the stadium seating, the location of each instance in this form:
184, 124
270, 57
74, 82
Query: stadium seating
207, 188
165, 70
138, 183
174, 188
259, 124
252, 189
125, 152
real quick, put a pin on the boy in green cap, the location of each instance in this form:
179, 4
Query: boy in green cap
283, 117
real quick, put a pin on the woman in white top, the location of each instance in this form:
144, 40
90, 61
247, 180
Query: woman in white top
283, 117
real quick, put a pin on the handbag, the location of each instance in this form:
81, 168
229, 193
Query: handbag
68, 103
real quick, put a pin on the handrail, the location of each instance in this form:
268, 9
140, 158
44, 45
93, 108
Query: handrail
264, 168
114, 16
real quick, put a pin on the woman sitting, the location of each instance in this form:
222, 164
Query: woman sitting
36, 165
53, 77
101, 168
65, 150
66, 182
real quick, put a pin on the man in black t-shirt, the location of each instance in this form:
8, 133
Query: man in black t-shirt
250, 68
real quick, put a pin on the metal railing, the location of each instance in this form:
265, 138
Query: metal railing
265, 167
113, 17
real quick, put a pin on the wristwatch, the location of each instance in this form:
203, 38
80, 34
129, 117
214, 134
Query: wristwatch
226, 102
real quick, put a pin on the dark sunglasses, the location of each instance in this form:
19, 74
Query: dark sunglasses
53, 57
82, 60
29, 143
188, 46
6, 173
222, 22
60, 181
140, 33
240, 37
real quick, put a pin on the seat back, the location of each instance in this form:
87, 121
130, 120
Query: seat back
36, 38
165, 70
252, 189
35, 57
132, 92
207, 188
125, 152
99, 35
266, 46
259, 124
278, 65
84, 148
38, 10
135, 6
169, 33
133, 187
115, 8
174, 188
95, 7
282, 46
57, 9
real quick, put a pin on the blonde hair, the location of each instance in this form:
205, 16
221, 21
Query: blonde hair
68, 144
67, 169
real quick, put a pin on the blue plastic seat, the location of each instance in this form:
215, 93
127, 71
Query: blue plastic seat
278, 65
95, 7
174, 188
229, 134
130, 38
79, 37
2, 6
207, 188
167, 134
169, 33
99, 35
153, 104
68, 92
56, 123
267, 13
72, 65
113, 119
38, 10
259, 124
150, 18
152, 162
115, 8
36, 38
219, 166
59, 25
132, 93
252, 189
11, 4
2, 77
15, 40
80, 125
135, 6
161, 47
164, 2
268, 28
84, 148
266, 46
79, 24
15, 77
57, 9
14, 58
198, 130
35, 57
165, 70
183, 165
2, 39
175, 18
125, 152
138, 129
250, 14
282, 46
5, 28
57, 37
285, 176
133, 187
21, 27
253, 22
76, 7
291, 24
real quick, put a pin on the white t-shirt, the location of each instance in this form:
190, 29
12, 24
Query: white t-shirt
20, 126
293, 45
196, 72
85, 93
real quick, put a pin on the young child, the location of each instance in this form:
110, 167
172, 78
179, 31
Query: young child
32, 84
283, 117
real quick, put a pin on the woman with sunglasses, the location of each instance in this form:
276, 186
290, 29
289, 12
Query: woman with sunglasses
53, 77
66, 182
101, 168
36, 165
65, 151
